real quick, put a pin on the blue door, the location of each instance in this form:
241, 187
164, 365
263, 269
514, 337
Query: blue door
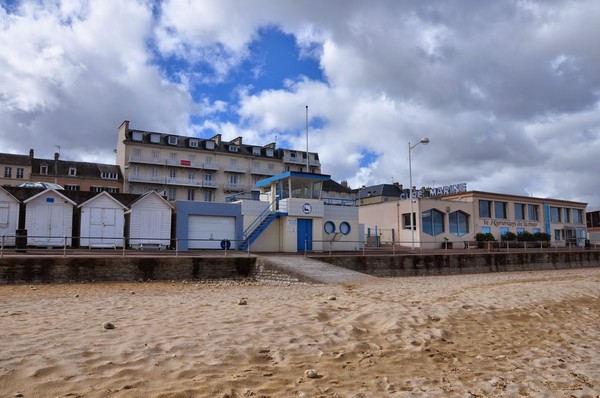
304, 234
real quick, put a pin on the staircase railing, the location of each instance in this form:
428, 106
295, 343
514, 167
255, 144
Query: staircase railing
261, 217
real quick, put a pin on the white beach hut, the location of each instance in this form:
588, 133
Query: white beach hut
102, 222
150, 222
49, 219
9, 217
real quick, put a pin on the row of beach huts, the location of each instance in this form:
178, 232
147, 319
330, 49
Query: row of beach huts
56, 218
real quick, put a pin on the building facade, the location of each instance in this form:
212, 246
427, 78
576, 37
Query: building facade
15, 169
197, 169
459, 217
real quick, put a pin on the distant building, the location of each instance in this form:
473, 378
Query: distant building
380, 193
15, 169
593, 224
198, 169
69, 174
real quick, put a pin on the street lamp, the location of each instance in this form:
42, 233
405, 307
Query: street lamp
423, 141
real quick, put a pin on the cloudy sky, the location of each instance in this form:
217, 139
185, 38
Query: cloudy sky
508, 92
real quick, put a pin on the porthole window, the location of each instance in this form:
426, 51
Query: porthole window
345, 228
329, 227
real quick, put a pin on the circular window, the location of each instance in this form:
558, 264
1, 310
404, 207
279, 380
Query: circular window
345, 228
329, 227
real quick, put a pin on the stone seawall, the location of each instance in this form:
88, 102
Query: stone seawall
29, 269
440, 264
86, 269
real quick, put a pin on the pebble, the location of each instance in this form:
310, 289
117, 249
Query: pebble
331, 297
311, 373
242, 301
19, 394
108, 325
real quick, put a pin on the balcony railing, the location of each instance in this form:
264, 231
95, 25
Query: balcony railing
300, 160
234, 168
199, 183
161, 161
263, 171
230, 186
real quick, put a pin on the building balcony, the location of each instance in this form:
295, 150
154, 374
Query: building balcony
263, 171
234, 187
235, 169
187, 182
300, 160
161, 161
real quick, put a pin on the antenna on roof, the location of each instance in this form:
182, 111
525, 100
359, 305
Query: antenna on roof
58, 147
307, 168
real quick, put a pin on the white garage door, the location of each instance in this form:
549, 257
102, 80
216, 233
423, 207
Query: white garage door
207, 232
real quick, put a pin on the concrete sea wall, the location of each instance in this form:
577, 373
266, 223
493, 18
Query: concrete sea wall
439, 264
30, 269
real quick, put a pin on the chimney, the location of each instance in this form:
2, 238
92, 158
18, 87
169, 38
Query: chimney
56, 156
31, 156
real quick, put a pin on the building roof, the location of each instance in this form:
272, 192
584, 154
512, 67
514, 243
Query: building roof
389, 190
79, 197
235, 146
505, 196
333, 186
12, 159
83, 169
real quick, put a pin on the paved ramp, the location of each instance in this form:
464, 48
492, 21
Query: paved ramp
314, 271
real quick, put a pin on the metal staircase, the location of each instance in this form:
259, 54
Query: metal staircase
259, 225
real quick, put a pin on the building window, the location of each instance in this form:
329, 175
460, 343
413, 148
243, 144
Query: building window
577, 216
7, 172
458, 223
536, 230
105, 175
208, 196
233, 179
520, 230
190, 195
566, 214
433, 222
345, 228
136, 136
95, 189
155, 174
44, 169
72, 171
155, 156
486, 230
171, 193
558, 234
519, 211
191, 177
532, 212
208, 176
112, 190
256, 150
209, 145
172, 174
293, 155
406, 221
503, 231
136, 154
20, 172
500, 209
173, 157
554, 214
485, 209
71, 187
155, 138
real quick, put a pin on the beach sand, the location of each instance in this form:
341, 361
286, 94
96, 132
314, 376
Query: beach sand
533, 334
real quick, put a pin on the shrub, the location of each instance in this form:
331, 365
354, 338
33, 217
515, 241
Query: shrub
509, 236
541, 237
487, 237
525, 236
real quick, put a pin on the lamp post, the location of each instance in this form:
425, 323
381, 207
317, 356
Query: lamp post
423, 141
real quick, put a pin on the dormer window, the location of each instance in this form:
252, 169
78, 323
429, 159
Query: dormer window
292, 154
137, 136
269, 152
209, 144
44, 169
233, 148
172, 140
72, 171
193, 143
256, 151
155, 138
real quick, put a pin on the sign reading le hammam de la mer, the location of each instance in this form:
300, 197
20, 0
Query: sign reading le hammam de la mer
436, 191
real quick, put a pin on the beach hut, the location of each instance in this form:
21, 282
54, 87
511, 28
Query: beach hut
150, 222
102, 222
49, 219
9, 217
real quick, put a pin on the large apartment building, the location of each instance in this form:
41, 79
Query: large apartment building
198, 169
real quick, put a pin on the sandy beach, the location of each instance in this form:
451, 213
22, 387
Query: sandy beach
534, 334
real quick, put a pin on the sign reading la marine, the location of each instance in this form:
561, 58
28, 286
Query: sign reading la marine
436, 191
